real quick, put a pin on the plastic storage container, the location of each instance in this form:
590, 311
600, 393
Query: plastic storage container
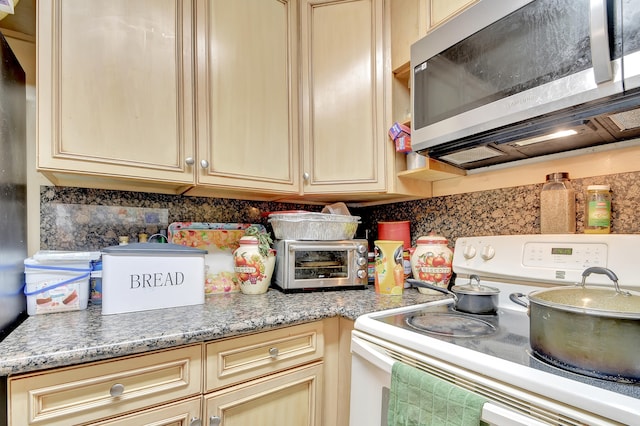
557, 205
597, 217
57, 281
95, 283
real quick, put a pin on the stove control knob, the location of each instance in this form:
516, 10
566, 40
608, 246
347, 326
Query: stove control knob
488, 252
469, 252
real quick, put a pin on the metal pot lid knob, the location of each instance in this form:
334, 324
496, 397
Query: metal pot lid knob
474, 287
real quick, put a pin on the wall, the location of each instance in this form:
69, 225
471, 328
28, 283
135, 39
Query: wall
508, 211
24, 47
71, 219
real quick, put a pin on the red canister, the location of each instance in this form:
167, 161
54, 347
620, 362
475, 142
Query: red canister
395, 231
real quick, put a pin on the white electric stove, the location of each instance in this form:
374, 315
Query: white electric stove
490, 354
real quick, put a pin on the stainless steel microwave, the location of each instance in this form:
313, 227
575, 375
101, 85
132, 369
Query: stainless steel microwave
501, 81
321, 265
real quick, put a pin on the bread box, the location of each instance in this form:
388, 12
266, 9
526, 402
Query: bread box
144, 276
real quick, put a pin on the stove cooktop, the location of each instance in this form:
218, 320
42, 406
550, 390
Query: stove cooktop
504, 336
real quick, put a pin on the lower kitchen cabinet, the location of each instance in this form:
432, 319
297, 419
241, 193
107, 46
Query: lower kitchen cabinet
295, 375
106, 389
269, 378
289, 398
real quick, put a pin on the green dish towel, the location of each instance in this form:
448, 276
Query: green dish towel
420, 399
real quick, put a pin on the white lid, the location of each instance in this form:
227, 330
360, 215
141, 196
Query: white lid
598, 188
44, 256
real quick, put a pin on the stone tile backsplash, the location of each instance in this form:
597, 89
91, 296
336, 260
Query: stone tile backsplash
89, 219
68, 222
509, 211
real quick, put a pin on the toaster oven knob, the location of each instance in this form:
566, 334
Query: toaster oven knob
362, 273
362, 261
361, 248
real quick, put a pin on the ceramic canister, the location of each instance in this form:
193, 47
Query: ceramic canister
389, 269
431, 262
252, 269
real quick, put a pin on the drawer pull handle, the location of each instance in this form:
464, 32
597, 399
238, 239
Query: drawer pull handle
116, 390
195, 422
273, 352
215, 421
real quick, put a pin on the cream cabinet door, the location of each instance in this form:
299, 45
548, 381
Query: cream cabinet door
343, 101
412, 19
442, 10
183, 413
115, 92
289, 398
247, 95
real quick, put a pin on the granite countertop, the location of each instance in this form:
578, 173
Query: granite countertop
67, 338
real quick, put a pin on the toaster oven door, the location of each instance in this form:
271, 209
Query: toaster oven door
321, 265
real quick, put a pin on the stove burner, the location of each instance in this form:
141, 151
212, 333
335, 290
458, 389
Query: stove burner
450, 324
551, 361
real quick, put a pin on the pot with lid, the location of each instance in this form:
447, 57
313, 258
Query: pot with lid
589, 330
471, 298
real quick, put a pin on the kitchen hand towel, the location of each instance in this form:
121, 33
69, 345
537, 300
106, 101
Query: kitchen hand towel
420, 399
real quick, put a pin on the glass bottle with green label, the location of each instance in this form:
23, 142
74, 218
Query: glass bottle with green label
597, 218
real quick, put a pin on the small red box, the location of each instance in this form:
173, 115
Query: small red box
403, 144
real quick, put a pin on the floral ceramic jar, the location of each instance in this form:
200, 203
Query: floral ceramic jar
252, 269
431, 262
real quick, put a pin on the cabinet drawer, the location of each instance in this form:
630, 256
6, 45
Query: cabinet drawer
245, 358
81, 394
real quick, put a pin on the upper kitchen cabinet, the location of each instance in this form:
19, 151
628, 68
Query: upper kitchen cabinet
343, 105
247, 96
413, 19
115, 94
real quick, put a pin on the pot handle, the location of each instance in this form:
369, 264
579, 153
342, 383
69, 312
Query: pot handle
515, 298
418, 283
608, 272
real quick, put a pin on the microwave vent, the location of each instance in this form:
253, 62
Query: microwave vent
627, 120
471, 155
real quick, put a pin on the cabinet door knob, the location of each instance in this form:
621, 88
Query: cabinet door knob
116, 390
215, 421
190, 161
195, 422
273, 352
306, 176
204, 164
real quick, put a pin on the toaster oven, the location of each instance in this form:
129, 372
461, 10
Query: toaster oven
321, 265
